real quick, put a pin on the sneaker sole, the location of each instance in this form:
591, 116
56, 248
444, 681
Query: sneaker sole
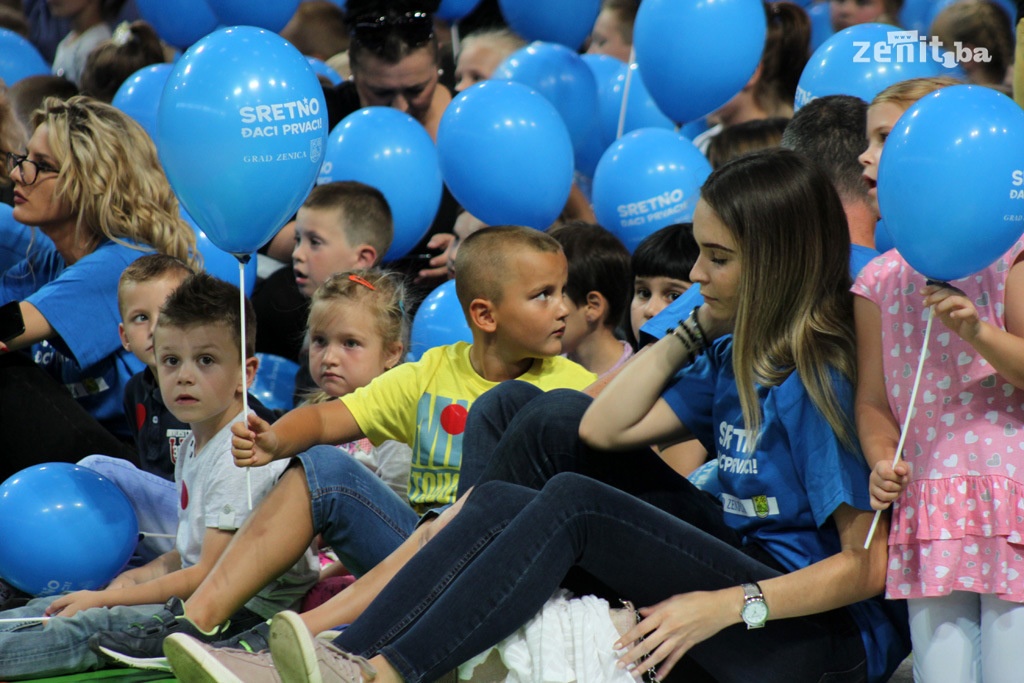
192, 663
147, 663
291, 646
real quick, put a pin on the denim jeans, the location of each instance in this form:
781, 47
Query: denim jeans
641, 533
60, 645
358, 515
154, 499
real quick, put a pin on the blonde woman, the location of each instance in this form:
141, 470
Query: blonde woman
90, 181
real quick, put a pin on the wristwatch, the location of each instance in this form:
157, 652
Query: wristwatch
755, 609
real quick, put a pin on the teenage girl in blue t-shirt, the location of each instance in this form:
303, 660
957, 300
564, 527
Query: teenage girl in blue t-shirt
762, 374
91, 182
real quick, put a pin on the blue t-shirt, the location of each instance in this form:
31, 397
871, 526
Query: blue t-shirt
80, 304
781, 492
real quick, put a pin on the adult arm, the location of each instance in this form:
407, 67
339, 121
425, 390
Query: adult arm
36, 328
673, 626
629, 411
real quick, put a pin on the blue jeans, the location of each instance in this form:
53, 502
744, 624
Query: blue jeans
154, 499
59, 646
494, 565
358, 515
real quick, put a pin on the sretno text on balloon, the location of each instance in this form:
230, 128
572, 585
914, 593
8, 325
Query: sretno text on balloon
653, 209
282, 111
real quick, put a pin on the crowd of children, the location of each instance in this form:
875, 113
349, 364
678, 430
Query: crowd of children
703, 428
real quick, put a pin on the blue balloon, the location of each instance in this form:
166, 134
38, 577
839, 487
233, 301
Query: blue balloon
320, 68
242, 124
566, 21
179, 23
220, 263
269, 14
389, 150
139, 96
66, 528
695, 56
274, 385
506, 155
19, 58
647, 180
950, 184
821, 24
438, 321
454, 10
862, 61
565, 80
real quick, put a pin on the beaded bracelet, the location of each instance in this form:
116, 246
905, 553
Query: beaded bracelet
690, 345
700, 330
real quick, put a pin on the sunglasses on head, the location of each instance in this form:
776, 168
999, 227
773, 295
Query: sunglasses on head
413, 28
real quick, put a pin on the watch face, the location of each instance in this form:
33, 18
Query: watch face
755, 612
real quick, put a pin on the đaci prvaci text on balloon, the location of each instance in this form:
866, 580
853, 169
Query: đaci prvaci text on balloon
282, 118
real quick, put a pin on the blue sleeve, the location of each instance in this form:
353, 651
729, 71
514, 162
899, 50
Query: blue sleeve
81, 303
654, 329
833, 474
691, 396
43, 265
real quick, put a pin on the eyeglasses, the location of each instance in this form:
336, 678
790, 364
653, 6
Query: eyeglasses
28, 169
413, 28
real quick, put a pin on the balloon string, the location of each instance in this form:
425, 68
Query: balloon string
150, 534
906, 420
455, 41
245, 383
625, 94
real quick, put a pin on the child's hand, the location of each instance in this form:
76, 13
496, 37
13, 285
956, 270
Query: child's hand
956, 311
255, 444
887, 482
72, 603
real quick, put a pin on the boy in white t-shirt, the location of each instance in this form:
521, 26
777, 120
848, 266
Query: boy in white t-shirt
197, 346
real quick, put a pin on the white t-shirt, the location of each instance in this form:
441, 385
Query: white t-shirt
69, 60
212, 493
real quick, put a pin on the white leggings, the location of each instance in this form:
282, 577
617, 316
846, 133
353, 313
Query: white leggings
967, 638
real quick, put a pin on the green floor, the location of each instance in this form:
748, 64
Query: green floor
111, 676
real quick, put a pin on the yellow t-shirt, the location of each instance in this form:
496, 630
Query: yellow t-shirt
425, 404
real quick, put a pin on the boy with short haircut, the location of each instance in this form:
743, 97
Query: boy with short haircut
198, 366
598, 291
344, 225
511, 282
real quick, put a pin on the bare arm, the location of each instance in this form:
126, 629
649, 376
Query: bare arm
1003, 349
155, 591
37, 328
675, 625
877, 427
259, 442
630, 412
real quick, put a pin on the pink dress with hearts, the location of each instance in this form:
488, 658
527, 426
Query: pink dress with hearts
958, 525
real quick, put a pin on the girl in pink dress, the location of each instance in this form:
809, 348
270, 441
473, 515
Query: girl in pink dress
957, 496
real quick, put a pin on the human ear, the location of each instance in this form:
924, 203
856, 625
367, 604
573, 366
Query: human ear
251, 366
481, 315
596, 307
124, 338
366, 256
393, 355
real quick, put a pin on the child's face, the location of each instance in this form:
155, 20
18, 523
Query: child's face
531, 315
199, 372
882, 118
345, 350
321, 248
606, 37
718, 266
651, 294
140, 304
476, 63
847, 13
